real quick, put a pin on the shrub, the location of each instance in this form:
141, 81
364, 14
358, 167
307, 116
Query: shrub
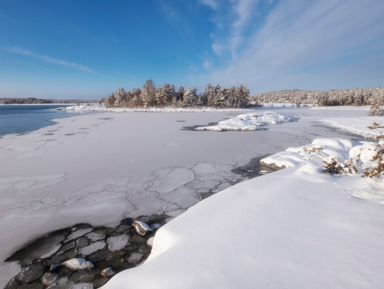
376, 170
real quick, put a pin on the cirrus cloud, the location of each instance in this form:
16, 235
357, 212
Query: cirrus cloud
303, 44
48, 59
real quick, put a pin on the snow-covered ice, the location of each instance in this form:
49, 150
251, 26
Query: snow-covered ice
85, 167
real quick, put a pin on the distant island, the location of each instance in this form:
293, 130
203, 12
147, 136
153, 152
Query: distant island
33, 100
167, 95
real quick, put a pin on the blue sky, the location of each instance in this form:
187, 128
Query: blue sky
89, 48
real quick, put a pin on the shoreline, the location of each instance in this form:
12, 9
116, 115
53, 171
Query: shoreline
23, 125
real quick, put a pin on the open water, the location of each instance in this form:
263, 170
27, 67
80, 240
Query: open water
24, 118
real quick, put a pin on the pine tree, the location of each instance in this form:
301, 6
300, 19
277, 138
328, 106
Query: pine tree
110, 101
190, 97
120, 98
242, 96
165, 95
377, 168
136, 97
374, 108
148, 93
179, 95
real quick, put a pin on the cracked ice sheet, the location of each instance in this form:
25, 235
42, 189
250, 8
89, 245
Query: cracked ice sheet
171, 178
53, 181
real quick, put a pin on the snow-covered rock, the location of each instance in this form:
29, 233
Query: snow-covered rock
74, 264
107, 272
251, 121
141, 227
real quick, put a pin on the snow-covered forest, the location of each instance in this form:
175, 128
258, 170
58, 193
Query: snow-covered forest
166, 95
353, 96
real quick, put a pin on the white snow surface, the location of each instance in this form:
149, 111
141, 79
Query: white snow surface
357, 125
250, 121
85, 167
296, 228
314, 153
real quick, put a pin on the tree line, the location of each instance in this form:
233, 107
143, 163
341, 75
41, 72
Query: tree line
353, 96
26, 100
167, 95
33, 100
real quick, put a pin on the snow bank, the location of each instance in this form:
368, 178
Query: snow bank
359, 155
314, 154
251, 121
296, 228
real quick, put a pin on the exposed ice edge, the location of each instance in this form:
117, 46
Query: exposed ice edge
249, 121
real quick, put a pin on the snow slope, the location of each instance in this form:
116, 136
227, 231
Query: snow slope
296, 228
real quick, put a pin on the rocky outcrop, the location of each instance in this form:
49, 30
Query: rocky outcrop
84, 256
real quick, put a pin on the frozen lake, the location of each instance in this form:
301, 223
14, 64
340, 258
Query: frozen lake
23, 118
100, 168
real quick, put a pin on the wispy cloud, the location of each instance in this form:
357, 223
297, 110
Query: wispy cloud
48, 59
232, 19
244, 9
313, 39
213, 4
